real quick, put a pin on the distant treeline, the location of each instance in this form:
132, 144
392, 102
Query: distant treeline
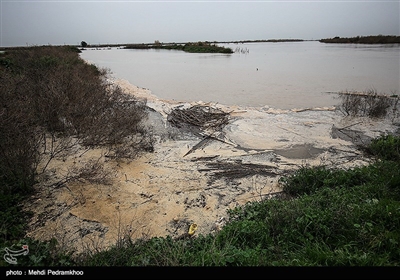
379, 39
264, 41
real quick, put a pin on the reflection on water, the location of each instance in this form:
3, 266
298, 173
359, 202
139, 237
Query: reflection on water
280, 75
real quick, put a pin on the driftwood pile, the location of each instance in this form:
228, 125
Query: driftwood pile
236, 170
202, 120
202, 117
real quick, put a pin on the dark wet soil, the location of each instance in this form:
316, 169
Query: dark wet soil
303, 151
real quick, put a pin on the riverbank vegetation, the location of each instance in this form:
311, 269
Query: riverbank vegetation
197, 47
379, 39
51, 101
368, 104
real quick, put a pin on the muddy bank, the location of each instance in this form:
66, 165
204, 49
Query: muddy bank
161, 193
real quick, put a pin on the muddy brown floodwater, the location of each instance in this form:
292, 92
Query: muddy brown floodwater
161, 193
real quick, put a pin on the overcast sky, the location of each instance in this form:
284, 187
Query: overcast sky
31, 22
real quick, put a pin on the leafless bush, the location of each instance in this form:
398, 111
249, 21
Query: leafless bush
56, 147
19, 138
130, 147
92, 171
120, 116
52, 101
368, 103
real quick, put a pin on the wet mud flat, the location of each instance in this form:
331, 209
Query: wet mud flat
196, 172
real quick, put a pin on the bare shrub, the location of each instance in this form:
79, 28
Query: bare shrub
117, 117
52, 101
55, 147
92, 171
370, 104
350, 104
131, 146
19, 137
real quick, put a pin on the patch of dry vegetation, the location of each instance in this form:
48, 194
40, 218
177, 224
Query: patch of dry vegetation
53, 103
368, 104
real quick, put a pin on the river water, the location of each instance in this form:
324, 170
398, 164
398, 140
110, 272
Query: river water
281, 75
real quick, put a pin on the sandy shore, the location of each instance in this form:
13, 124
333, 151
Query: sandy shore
163, 192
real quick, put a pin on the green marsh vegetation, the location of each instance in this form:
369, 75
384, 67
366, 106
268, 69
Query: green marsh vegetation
325, 217
197, 47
